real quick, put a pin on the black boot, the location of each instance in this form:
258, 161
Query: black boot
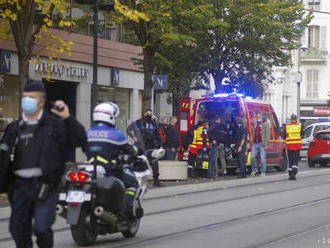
157, 183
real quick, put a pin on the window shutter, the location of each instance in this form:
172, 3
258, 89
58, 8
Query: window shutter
323, 35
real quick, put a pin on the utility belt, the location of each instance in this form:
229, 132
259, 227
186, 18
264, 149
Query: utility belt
43, 188
30, 181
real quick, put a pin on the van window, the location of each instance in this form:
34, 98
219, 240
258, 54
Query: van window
184, 121
276, 124
226, 109
307, 132
320, 127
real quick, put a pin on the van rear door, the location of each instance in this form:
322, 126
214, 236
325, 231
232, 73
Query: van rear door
184, 123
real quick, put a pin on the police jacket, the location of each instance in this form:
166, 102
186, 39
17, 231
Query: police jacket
150, 133
53, 135
111, 140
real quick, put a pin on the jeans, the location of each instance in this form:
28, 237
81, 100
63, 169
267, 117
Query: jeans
212, 160
242, 161
171, 155
25, 207
256, 149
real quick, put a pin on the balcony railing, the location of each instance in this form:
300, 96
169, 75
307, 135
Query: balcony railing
314, 54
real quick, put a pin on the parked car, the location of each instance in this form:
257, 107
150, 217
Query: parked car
309, 133
319, 149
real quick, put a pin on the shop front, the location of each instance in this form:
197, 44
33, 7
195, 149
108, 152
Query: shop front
9, 88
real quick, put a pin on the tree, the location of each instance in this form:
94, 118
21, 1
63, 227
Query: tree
155, 33
257, 36
27, 22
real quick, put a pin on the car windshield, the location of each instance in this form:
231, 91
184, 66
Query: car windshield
323, 136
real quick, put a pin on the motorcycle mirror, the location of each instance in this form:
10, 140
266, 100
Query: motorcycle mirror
158, 153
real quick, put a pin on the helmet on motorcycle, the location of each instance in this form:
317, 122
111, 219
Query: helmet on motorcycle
106, 112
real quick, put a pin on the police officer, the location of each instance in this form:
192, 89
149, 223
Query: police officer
113, 142
33, 151
293, 145
152, 140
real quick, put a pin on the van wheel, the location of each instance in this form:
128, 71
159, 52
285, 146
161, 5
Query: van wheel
311, 163
284, 163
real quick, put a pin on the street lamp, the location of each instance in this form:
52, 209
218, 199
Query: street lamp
299, 79
102, 5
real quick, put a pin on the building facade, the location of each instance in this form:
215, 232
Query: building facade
310, 68
119, 80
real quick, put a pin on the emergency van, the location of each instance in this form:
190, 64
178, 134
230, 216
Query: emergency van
229, 107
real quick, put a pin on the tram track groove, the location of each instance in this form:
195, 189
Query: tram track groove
6, 239
161, 238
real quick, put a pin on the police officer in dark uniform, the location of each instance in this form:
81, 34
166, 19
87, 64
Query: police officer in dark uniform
33, 152
113, 142
152, 140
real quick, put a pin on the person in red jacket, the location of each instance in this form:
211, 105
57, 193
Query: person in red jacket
293, 145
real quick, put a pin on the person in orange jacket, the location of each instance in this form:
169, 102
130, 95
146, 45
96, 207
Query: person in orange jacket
199, 148
293, 145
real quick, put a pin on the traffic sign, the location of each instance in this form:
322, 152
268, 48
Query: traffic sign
160, 81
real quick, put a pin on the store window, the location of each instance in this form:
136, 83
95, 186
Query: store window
122, 98
9, 100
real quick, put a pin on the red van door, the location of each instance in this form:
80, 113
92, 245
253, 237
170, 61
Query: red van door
184, 124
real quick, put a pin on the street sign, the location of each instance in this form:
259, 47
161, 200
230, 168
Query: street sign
4, 61
160, 82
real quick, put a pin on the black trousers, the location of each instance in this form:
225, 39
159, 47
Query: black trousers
155, 169
293, 157
25, 206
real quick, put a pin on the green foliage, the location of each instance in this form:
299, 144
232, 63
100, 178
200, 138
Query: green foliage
257, 36
235, 40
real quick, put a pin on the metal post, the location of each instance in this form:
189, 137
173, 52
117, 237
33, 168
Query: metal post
299, 80
94, 84
298, 102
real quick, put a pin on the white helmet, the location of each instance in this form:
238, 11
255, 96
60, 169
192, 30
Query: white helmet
106, 112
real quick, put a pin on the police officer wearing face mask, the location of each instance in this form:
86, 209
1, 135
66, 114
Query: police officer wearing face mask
151, 138
32, 155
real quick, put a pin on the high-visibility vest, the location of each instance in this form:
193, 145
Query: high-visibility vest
293, 137
197, 143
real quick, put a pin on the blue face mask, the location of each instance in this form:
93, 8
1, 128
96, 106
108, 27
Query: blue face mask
29, 105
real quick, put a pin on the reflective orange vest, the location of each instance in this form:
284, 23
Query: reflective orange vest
197, 143
293, 137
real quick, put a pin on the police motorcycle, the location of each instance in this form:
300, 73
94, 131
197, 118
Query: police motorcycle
93, 204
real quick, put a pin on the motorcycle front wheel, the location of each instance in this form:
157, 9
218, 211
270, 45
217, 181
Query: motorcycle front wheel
85, 232
134, 227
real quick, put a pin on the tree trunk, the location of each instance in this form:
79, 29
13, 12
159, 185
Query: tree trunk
23, 71
218, 78
148, 65
176, 105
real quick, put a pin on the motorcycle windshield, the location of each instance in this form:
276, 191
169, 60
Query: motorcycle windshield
135, 136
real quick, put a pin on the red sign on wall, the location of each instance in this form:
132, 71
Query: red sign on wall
321, 111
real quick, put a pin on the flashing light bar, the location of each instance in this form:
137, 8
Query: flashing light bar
231, 94
221, 95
